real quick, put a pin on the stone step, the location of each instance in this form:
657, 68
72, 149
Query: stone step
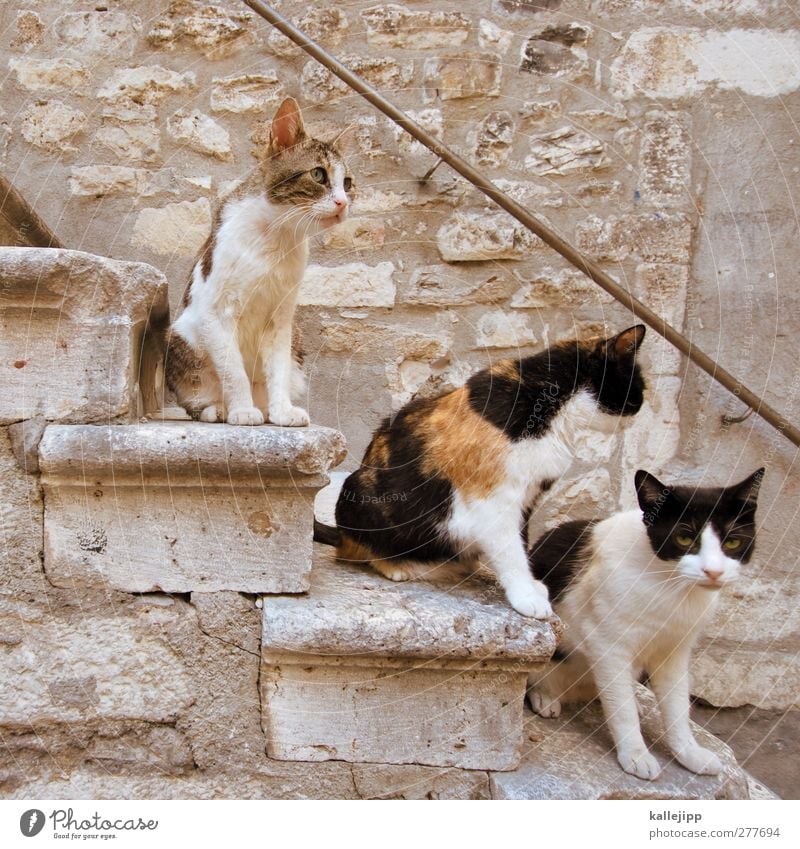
182, 506
366, 670
572, 758
81, 336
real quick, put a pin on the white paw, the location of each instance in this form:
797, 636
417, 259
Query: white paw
639, 762
245, 416
210, 414
396, 573
289, 417
545, 706
699, 760
530, 602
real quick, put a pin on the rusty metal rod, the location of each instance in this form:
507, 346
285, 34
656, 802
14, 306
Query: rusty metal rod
21, 218
525, 217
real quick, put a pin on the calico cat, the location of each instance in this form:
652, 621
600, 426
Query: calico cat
452, 477
230, 352
634, 592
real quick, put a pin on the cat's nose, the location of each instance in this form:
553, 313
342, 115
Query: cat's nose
340, 202
713, 574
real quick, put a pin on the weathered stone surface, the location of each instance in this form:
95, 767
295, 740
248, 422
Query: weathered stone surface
663, 287
562, 287
25, 437
130, 142
52, 125
352, 285
47, 74
539, 110
654, 237
493, 37
564, 151
397, 26
97, 33
205, 507
245, 93
470, 236
200, 132
29, 30
499, 329
355, 234
382, 658
493, 138
320, 86
326, 26
146, 84
217, 32
557, 51
101, 180
436, 286
572, 758
75, 356
665, 160
675, 62
463, 76
389, 781
177, 228
395, 340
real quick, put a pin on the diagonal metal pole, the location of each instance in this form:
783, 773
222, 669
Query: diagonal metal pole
525, 217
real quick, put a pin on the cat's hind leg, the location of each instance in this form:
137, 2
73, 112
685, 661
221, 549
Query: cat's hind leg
399, 570
562, 682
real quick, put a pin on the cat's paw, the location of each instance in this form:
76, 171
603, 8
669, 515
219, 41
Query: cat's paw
289, 416
639, 762
530, 602
245, 416
544, 705
699, 760
211, 414
394, 571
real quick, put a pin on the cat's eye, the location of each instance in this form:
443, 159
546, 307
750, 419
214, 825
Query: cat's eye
348, 183
684, 539
319, 175
731, 544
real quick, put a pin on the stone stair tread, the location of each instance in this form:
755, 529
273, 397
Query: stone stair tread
572, 758
351, 610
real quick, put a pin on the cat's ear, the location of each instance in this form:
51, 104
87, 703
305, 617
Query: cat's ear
287, 126
625, 345
650, 491
746, 492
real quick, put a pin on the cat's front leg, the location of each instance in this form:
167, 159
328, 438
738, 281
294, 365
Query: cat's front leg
670, 682
222, 346
616, 687
277, 357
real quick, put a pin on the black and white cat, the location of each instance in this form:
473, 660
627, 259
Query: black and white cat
634, 592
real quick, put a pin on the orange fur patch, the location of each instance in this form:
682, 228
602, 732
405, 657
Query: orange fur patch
507, 369
352, 551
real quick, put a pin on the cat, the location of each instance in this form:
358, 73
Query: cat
230, 354
453, 477
634, 592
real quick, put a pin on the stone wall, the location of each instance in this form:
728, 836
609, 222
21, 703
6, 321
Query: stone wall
655, 134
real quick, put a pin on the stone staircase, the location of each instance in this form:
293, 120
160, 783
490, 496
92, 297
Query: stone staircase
169, 630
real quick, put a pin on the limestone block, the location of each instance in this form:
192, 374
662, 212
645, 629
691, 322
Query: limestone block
493, 138
464, 75
499, 329
565, 151
539, 110
355, 234
365, 670
46, 74
391, 340
572, 758
439, 286
674, 62
29, 30
177, 228
245, 93
200, 132
326, 26
212, 29
51, 124
178, 507
131, 141
653, 237
391, 25
493, 37
101, 180
557, 51
353, 285
471, 236
665, 160
71, 330
556, 288
98, 34
145, 84
319, 85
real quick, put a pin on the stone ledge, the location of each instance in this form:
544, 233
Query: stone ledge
73, 335
181, 507
370, 671
572, 758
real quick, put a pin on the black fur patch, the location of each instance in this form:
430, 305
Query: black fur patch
558, 556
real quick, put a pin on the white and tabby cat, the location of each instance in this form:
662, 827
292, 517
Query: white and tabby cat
230, 351
634, 592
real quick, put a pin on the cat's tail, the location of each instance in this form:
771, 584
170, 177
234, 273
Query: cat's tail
326, 534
